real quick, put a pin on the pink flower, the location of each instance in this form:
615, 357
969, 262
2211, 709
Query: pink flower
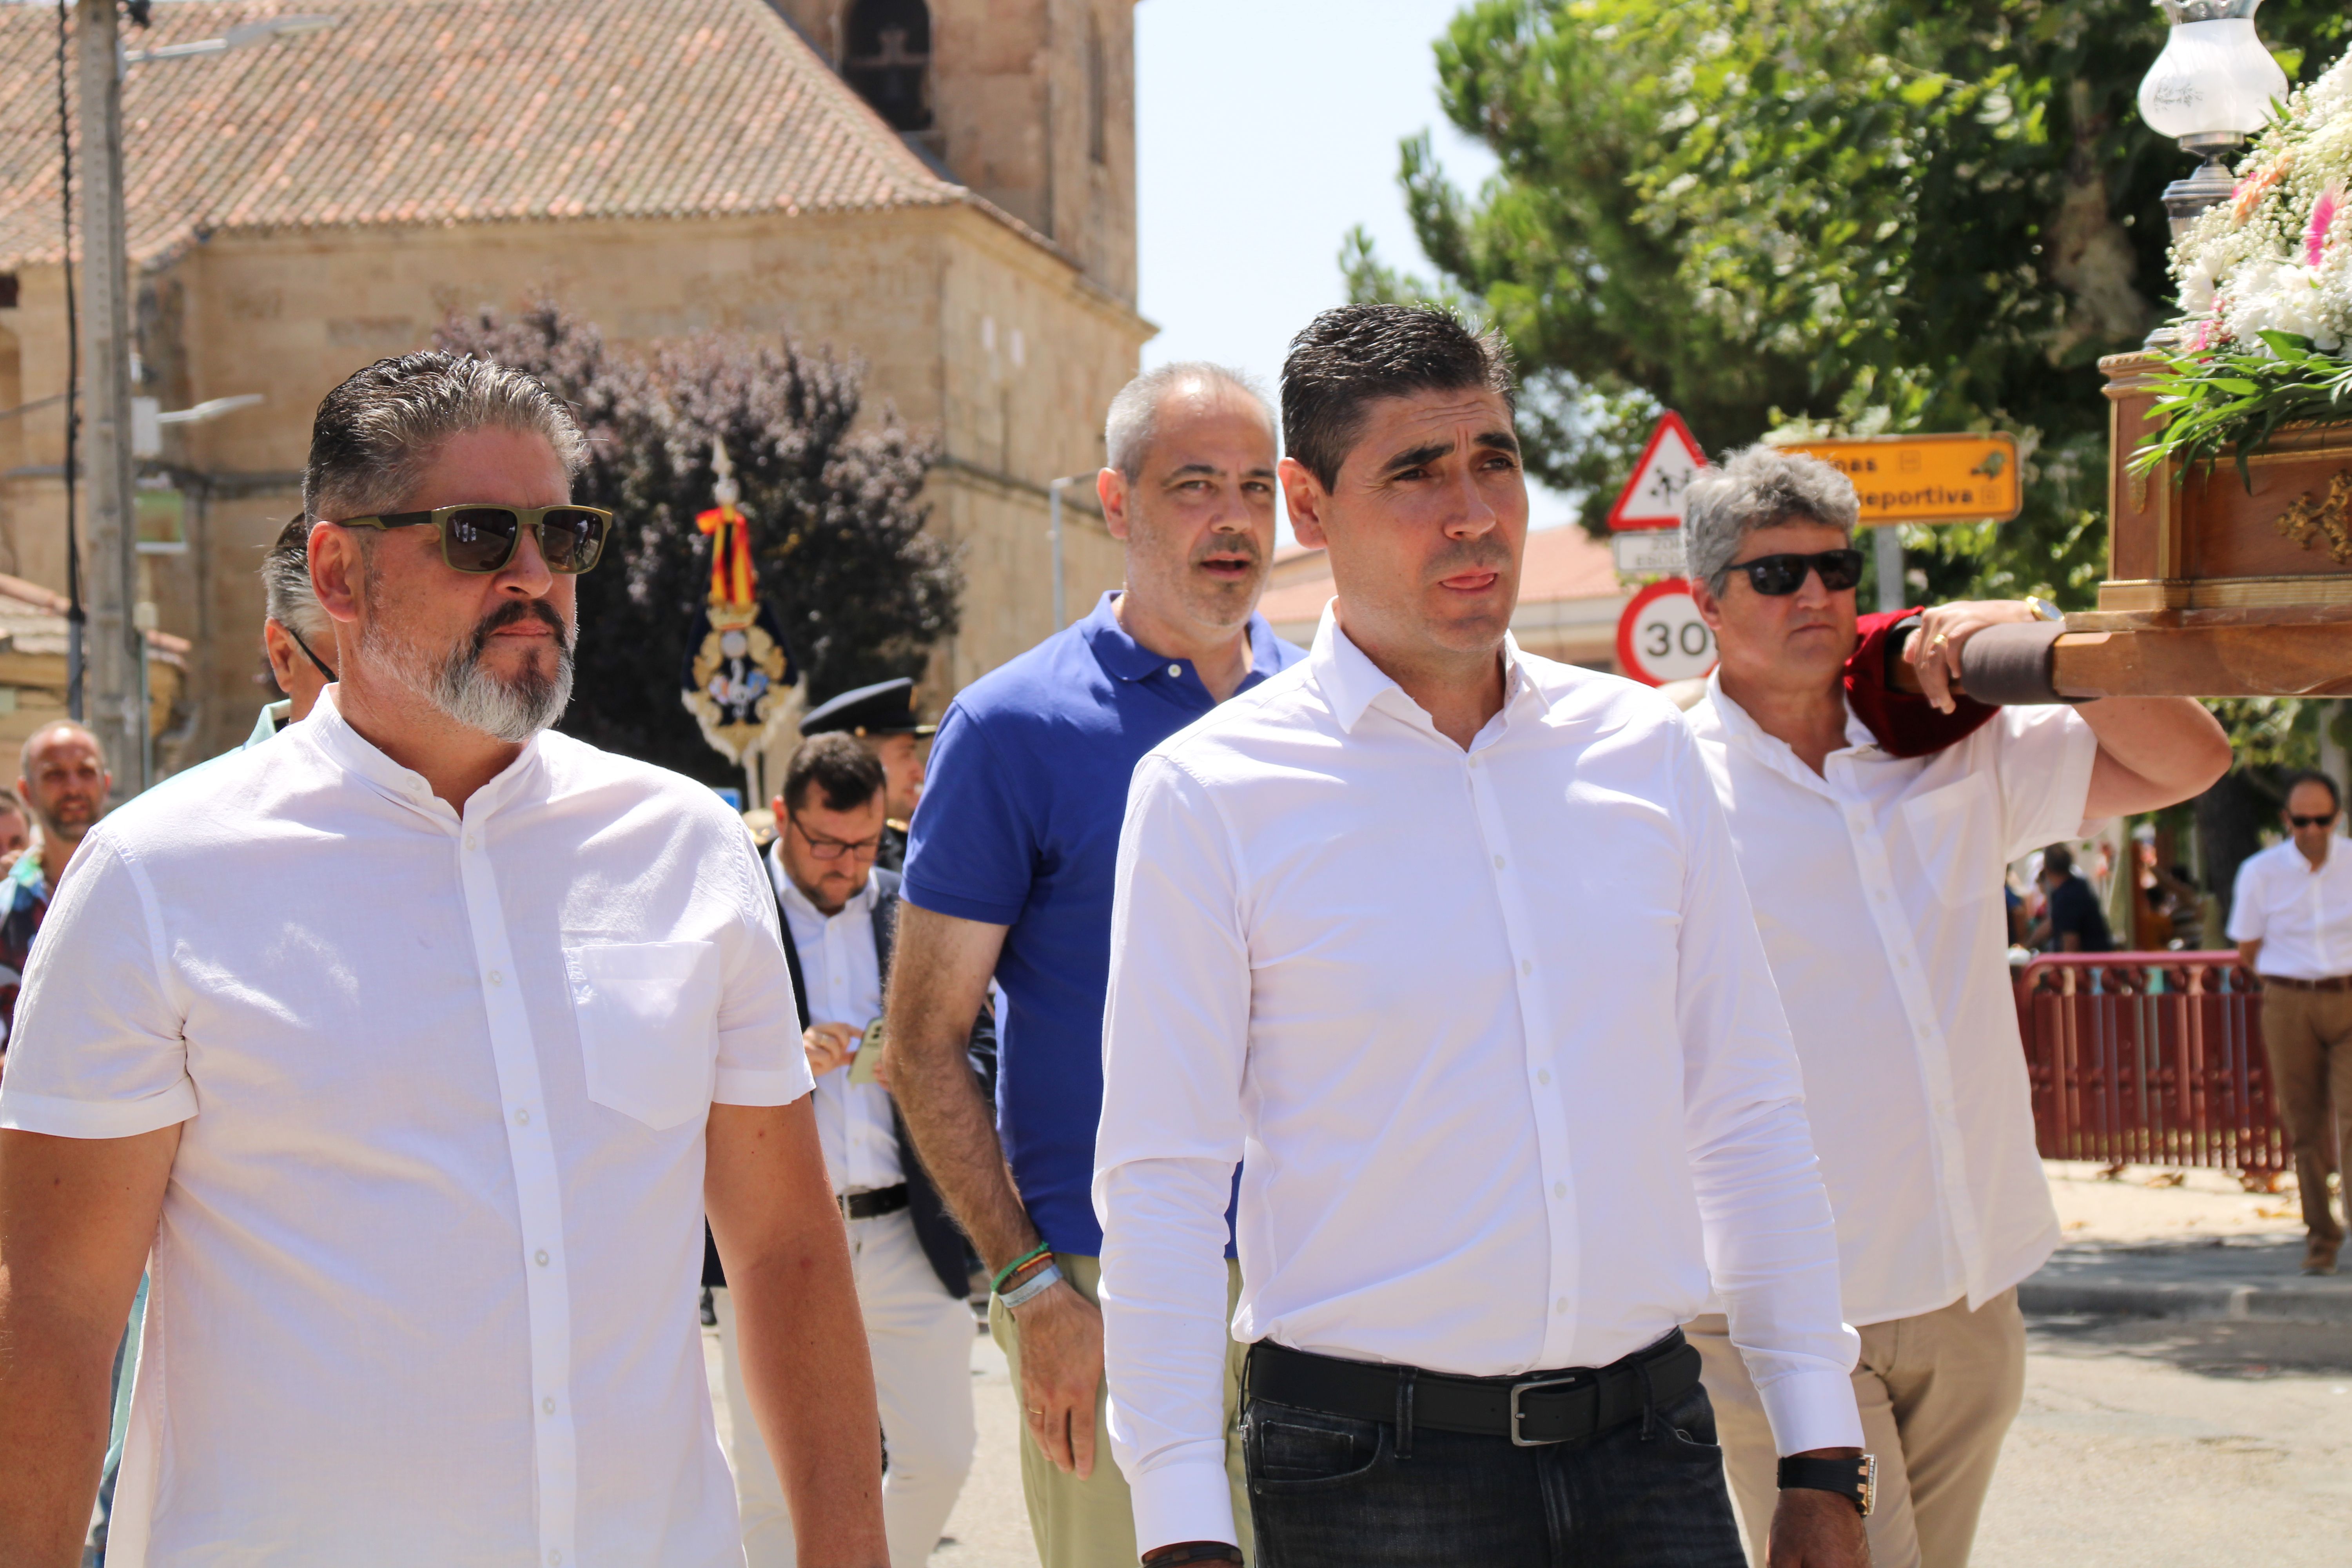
2322, 215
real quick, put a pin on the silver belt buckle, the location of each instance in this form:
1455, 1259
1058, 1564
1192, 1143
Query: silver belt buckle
1536, 1386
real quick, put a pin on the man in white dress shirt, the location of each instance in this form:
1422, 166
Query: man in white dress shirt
1876, 881
2291, 917
1444, 946
840, 912
416, 1044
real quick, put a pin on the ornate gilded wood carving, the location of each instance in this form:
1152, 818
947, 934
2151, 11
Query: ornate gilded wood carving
2308, 520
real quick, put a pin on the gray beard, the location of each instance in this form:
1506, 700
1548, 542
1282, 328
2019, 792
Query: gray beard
469, 694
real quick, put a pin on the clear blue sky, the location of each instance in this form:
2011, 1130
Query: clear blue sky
1265, 131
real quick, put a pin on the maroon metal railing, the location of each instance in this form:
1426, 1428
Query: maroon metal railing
2149, 1059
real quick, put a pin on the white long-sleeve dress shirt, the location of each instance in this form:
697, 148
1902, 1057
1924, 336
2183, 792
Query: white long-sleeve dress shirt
1877, 885
843, 974
2302, 914
1491, 1036
422, 1285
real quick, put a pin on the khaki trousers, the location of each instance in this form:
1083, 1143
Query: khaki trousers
1937, 1393
2308, 1037
1090, 1523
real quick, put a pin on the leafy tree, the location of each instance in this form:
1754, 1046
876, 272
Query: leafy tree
863, 591
1817, 215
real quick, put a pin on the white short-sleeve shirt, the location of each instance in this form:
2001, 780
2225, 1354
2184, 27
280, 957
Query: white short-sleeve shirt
2302, 914
1878, 890
424, 1284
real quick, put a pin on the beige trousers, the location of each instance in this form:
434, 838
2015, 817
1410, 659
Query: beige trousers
1090, 1523
1937, 1393
2308, 1037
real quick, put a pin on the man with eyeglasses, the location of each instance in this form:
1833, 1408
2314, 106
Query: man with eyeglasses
840, 913
883, 717
2291, 916
1876, 877
414, 1044
297, 635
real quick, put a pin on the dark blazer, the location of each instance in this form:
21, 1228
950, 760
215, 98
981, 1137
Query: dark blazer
942, 1239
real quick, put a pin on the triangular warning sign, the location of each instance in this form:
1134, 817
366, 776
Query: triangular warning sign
1653, 498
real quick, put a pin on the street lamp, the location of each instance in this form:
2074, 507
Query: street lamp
2211, 88
114, 663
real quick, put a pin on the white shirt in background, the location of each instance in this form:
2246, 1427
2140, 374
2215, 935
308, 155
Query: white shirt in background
2301, 915
844, 986
1492, 1037
421, 1284
1878, 891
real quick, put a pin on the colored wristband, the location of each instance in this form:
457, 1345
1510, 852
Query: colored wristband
1193, 1552
1017, 1265
1029, 1289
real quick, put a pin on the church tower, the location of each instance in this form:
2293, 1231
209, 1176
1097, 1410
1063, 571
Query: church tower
1030, 103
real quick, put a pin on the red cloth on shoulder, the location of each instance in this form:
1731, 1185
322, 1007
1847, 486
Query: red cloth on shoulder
1905, 725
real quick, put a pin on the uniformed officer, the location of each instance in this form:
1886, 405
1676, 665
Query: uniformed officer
884, 717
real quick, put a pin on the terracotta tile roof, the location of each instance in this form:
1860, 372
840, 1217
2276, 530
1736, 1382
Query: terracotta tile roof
444, 111
1561, 563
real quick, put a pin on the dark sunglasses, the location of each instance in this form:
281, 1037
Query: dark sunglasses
1777, 577
483, 538
2311, 821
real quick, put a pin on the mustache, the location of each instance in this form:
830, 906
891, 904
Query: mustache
516, 610
1239, 544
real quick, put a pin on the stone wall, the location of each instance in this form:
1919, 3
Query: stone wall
971, 328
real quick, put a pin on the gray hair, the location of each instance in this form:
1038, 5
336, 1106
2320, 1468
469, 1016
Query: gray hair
1763, 486
288, 597
375, 434
1134, 420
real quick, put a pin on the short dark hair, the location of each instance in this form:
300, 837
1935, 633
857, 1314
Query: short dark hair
839, 765
376, 433
2058, 859
2313, 776
1357, 354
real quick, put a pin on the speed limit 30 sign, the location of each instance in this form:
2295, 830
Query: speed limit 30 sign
1660, 637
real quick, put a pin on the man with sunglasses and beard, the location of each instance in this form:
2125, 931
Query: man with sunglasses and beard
416, 1044
1876, 880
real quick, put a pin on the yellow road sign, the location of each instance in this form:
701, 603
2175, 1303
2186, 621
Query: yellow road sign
1927, 479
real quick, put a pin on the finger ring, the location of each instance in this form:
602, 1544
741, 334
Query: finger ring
1040, 1410
1941, 639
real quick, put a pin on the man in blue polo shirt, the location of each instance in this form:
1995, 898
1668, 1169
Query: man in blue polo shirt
1009, 876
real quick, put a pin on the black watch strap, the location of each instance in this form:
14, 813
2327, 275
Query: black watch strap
1193, 1551
1856, 1480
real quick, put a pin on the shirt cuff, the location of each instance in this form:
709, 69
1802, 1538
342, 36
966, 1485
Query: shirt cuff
1812, 1410
22, 1113
1184, 1500
747, 1086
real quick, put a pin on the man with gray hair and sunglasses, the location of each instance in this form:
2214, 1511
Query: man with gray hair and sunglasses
416, 1045
1876, 869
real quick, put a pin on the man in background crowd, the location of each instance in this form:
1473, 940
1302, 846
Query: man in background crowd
883, 718
2292, 920
1010, 874
63, 783
16, 832
298, 635
2071, 920
840, 914
1876, 879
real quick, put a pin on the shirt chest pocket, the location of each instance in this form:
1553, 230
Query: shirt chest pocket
1954, 833
648, 1019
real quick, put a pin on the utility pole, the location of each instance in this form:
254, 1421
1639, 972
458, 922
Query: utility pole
115, 653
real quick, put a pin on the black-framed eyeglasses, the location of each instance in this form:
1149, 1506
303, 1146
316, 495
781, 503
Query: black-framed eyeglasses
480, 538
1777, 577
833, 848
2327, 821
313, 658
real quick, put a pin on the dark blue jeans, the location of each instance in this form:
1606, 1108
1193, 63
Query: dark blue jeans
1327, 1491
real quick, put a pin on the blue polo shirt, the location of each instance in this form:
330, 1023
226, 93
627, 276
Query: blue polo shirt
1019, 828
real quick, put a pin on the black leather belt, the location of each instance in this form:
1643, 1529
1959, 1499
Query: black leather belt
874, 1204
1538, 1408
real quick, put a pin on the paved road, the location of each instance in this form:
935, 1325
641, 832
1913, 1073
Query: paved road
2142, 1444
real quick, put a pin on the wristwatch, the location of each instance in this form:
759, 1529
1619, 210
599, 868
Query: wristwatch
2043, 610
1856, 1480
